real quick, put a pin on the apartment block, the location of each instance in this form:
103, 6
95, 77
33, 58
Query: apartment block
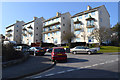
14, 31
55, 28
32, 31
83, 23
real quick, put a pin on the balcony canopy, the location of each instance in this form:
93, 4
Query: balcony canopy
90, 18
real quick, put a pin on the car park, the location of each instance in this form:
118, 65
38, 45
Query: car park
58, 54
37, 51
82, 49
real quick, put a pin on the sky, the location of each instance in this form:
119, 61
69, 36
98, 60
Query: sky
25, 11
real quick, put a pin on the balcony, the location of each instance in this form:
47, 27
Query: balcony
77, 22
90, 18
8, 35
51, 24
9, 30
90, 26
76, 29
30, 27
24, 29
29, 32
24, 34
53, 30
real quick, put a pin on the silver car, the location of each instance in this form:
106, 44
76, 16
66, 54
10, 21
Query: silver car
82, 49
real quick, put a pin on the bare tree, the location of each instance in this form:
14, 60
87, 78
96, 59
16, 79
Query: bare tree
101, 35
68, 37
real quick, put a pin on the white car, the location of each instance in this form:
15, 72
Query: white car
82, 49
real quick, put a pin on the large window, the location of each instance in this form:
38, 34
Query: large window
93, 13
75, 19
58, 32
77, 39
90, 23
80, 17
77, 26
86, 15
90, 29
55, 40
77, 32
48, 34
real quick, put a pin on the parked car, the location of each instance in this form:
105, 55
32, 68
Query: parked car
49, 50
45, 48
82, 49
58, 54
22, 48
37, 51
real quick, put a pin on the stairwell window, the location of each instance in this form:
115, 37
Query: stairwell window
63, 24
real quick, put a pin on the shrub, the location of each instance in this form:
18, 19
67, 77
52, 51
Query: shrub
9, 53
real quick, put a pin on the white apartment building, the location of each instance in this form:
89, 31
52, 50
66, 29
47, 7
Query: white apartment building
13, 32
83, 23
56, 27
32, 31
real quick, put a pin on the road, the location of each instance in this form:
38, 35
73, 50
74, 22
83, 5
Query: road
83, 66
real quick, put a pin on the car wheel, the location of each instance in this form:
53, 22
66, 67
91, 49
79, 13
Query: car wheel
89, 52
74, 52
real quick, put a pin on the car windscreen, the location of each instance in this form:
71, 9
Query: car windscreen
38, 47
59, 50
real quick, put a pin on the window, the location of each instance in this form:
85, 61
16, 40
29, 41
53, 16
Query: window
16, 30
63, 17
36, 40
55, 40
63, 24
100, 12
77, 32
77, 26
58, 32
31, 35
93, 13
80, 17
48, 34
36, 27
36, 34
16, 36
17, 25
90, 29
100, 19
86, 15
75, 19
77, 39
52, 33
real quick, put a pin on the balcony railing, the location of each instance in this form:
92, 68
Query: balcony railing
9, 30
29, 32
51, 24
8, 35
24, 29
53, 30
90, 26
30, 27
77, 28
24, 34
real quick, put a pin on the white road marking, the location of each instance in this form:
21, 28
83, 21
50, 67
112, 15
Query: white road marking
38, 77
87, 66
102, 63
70, 70
61, 72
95, 65
49, 74
78, 68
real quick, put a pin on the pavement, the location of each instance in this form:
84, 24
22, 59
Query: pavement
34, 65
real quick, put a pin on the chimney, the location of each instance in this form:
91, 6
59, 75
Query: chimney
35, 18
89, 7
17, 21
58, 14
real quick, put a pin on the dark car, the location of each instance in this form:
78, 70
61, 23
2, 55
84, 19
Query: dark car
45, 48
37, 51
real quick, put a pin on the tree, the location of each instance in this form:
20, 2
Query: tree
102, 34
68, 37
116, 34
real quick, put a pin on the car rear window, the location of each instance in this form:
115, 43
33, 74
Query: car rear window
38, 47
59, 50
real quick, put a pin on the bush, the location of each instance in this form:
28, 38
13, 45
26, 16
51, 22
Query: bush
9, 53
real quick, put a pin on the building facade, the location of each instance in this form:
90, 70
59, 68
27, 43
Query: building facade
83, 23
14, 31
55, 28
32, 31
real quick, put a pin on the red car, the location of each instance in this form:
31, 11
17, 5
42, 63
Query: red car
58, 54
